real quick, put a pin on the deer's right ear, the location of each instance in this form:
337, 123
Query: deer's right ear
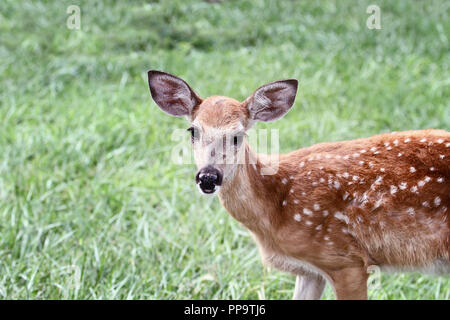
272, 101
172, 94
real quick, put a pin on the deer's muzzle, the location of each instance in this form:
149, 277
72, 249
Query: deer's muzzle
208, 179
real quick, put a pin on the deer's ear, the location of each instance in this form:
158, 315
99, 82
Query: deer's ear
172, 94
273, 100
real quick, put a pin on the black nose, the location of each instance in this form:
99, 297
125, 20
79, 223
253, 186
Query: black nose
208, 178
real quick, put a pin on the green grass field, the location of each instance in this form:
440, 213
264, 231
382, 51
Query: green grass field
87, 188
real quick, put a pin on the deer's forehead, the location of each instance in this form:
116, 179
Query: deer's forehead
221, 113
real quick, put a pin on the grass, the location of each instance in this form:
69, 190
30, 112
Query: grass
87, 189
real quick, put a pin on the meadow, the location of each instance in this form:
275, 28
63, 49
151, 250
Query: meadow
92, 207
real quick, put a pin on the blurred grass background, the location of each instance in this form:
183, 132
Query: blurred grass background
86, 181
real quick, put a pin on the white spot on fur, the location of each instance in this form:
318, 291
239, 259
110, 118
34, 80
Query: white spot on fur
421, 183
296, 201
395, 142
373, 149
325, 213
399, 154
439, 141
410, 211
307, 211
414, 189
302, 164
346, 175
284, 202
423, 139
316, 207
389, 148
308, 222
378, 180
393, 189
382, 169
297, 217
425, 204
361, 162
412, 169
441, 156
371, 164
363, 151
355, 178
284, 181
291, 191
321, 180
427, 179
437, 201
432, 169
345, 196
403, 185
440, 179
337, 184
407, 140
319, 227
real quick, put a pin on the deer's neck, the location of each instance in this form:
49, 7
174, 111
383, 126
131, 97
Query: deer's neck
254, 198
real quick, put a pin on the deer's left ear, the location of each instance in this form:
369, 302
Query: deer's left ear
273, 100
172, 94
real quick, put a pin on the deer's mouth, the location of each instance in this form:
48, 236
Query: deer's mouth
207, 189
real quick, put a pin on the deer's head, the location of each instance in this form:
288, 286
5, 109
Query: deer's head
218, 124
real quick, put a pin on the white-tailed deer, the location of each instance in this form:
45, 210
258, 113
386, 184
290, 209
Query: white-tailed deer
331, 210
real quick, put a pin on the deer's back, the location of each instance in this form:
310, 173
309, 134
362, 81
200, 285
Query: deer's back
383, 199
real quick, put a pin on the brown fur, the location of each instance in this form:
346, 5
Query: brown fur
379, 230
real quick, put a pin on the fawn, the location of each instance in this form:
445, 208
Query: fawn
329, 211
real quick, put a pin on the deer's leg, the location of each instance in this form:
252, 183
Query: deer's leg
308, 287
350, 284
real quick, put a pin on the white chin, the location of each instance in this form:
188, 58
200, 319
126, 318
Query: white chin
207, 192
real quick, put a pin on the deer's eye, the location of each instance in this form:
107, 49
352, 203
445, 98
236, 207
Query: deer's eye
194, 133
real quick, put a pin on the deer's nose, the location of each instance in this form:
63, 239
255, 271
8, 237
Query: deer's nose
208, 178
